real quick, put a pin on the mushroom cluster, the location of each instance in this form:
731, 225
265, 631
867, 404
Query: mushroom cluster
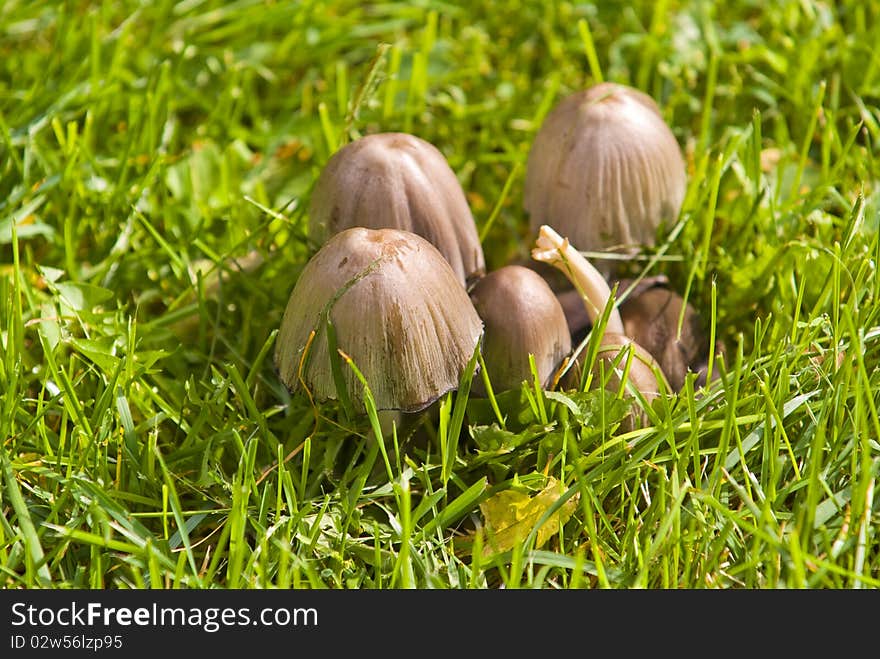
388, 287
399, 286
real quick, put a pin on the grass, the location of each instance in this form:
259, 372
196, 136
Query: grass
147, 150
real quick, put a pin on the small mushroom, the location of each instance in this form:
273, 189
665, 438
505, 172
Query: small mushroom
521, 316
397, 309
555, 250
641, 368
651, 318
594, 295
624, 357
605, 169
398, 181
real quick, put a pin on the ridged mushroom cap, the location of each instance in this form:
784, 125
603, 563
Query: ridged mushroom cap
398, 181
521, 316
398, 310
605, 170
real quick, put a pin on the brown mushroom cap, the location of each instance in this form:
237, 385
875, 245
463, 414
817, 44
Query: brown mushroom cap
398, 181
641, 369
605, 170
641, 373
521, 316
651, 319
640, 376
398, 310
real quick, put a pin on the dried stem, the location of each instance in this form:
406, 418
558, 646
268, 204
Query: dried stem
553, 249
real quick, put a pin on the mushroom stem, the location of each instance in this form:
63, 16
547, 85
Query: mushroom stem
553, 249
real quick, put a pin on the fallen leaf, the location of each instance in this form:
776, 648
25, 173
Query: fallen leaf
509, 516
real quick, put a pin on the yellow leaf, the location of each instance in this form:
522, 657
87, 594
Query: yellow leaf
511, 515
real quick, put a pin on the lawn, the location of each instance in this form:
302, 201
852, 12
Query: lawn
156, 166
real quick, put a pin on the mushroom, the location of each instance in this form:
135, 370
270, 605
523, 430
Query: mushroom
397, 309
398, 181
521, 316
595, 295
605, 169
555, 250
651, 318
624, 357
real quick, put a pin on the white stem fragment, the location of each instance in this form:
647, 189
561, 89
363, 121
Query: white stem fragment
553, 249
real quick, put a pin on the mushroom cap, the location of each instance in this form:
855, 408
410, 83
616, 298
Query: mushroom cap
651, 319
605, 170
641, 372
521, 316
398, 311
640, 375
398, 181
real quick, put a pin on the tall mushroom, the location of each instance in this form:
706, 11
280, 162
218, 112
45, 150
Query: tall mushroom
605, 170
398, 181
521, 316
397, 309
